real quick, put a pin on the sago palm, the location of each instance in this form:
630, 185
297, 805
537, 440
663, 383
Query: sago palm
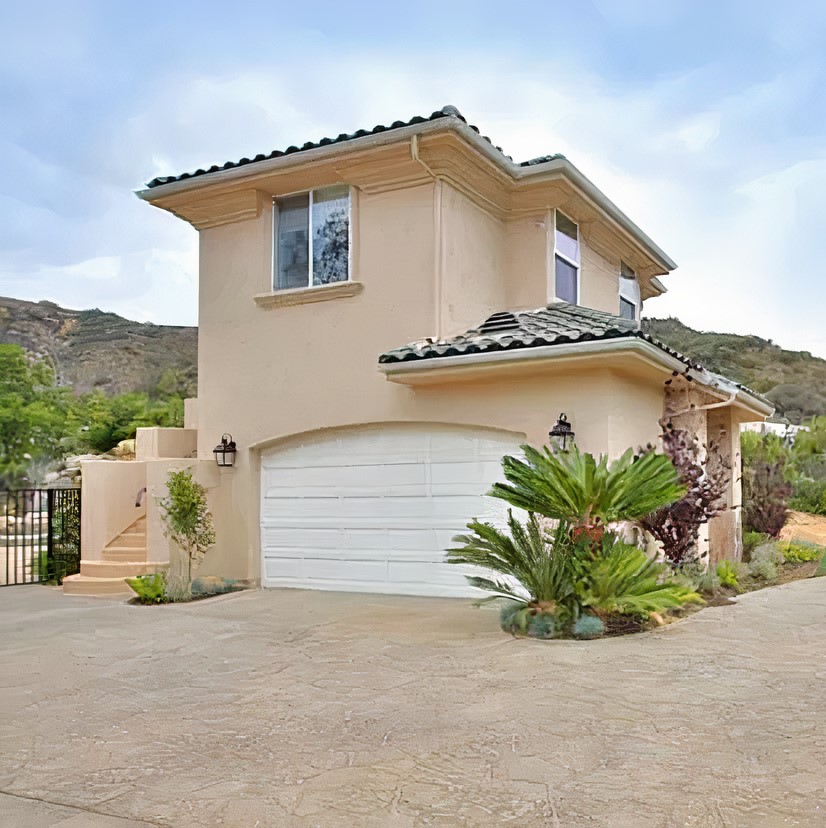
524, 564
624, 579
582, 490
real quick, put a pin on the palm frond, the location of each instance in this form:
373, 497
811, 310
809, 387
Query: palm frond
626, 580
579, 488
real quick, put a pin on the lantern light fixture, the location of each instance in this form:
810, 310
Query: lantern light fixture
562, 435
225, 452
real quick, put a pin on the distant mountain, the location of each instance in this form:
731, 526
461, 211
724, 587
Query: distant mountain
92, 350
795, 381
96, 350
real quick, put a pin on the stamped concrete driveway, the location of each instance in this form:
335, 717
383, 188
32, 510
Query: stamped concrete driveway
320, 709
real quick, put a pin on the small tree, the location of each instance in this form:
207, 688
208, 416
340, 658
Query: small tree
188, 523
677, 526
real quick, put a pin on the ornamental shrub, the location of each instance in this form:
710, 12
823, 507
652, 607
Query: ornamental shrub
751, 540
588, 627
542, 625
562, 561
764, 562
150, 589
798, 551
765, 496
188, 523
704, 476
727, 575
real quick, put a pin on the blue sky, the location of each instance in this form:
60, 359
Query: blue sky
705, 122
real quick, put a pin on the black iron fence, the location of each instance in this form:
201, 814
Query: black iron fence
39, 535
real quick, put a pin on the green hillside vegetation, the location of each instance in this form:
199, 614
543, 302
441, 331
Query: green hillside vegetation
96, 351
795, 381
42, 422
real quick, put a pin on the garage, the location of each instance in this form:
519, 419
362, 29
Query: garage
372, 509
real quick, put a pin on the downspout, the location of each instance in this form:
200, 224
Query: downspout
438, 263
706, 407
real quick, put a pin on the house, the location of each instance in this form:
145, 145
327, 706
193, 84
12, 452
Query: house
382, 316
783, 429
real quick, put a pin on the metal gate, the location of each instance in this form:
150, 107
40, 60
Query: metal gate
39, 535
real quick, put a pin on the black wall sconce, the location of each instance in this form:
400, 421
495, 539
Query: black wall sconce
562, 435
225, 452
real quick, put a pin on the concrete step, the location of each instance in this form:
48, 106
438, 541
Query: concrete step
119, 569
129, 539
84, 585
125, 553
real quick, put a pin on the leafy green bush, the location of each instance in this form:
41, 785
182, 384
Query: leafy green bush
821, 570
798, 551
697, 577
727, 575
809, 496
526, 565
151, 589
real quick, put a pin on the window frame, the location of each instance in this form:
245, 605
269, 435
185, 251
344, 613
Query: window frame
623, 297
276, 214
567, 259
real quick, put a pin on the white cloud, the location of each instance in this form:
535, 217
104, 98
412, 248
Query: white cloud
716, 177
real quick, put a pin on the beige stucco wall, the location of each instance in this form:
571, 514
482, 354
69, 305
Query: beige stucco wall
526, 262
108, 491
725, 530
599, 281
473, 275
155, 443
268, 373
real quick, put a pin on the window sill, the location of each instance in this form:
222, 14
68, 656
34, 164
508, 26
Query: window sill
304, 296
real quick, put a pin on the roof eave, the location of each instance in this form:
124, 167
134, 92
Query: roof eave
556, 166
416, 371
268, 165
426, 370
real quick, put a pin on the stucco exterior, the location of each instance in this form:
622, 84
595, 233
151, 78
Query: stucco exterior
440, 238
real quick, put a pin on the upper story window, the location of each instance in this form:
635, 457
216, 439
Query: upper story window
566, 258
630, 301
312, 238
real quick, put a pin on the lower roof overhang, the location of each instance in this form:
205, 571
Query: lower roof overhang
630, 355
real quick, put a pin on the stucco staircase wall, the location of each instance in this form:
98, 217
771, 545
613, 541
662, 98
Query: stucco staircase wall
125, 557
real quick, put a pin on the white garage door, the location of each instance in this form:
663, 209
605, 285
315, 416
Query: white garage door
373, 509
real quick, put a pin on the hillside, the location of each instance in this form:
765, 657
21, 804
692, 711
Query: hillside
795, 381
92, 350
96, 350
